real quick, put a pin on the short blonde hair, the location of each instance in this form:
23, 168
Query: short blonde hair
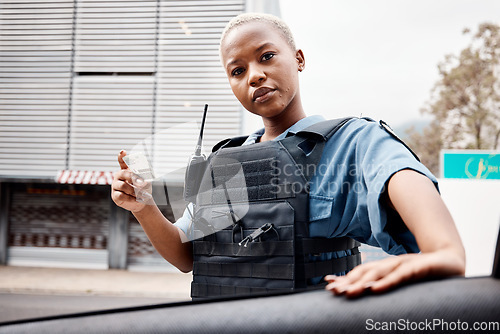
255, 17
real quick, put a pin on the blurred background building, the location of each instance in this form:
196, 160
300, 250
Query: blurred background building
80, 81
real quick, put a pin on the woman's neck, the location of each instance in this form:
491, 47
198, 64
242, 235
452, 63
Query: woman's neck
275, 126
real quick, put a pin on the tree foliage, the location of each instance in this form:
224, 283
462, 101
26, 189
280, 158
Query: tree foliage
465, 101
427, 144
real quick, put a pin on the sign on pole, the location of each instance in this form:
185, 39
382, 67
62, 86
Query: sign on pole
470, 164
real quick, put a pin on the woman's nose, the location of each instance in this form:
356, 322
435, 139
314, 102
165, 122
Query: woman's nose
256, 75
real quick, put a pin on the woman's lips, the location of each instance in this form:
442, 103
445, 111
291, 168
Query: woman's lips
262, 94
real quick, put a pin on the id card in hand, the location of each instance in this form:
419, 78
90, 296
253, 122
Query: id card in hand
140, 166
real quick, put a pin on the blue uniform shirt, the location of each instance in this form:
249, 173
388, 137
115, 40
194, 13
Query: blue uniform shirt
346, 191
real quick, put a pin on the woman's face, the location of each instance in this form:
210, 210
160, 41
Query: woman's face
262, 69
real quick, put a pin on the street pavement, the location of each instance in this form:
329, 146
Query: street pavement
29, 292
59, 281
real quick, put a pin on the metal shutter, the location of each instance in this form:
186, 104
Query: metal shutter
190, 75
59, 225
112, 109
140, 68
115, 36
35, 77
109, 114
141, 254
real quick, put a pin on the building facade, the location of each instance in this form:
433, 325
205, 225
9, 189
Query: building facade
81, 80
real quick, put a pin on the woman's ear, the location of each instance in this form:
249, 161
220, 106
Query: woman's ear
301, 61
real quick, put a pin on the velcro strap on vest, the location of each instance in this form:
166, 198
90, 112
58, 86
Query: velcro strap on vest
212, 290
333, 266
275, 248
325, 245
254, 270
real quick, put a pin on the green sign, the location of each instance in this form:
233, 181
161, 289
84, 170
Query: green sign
468, 164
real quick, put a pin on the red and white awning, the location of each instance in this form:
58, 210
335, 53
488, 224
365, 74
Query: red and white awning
84, 177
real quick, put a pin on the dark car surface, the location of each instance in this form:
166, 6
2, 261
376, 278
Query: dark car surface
448, 305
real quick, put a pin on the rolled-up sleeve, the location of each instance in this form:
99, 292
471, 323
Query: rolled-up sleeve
360, 159
381, 158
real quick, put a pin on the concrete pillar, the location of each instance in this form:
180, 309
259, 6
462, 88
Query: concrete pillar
118, 237
4, 221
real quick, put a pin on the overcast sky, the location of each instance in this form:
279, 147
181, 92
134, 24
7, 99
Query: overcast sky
378, 57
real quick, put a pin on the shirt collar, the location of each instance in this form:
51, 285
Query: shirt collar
298, 126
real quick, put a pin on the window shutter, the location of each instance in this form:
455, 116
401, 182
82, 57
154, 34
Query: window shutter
115, 36
190, 75
115, 74
81, 80
35, 78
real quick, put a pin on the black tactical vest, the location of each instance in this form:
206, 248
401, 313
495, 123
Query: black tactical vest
250, 229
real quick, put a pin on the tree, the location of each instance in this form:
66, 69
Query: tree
427, 144
465, 101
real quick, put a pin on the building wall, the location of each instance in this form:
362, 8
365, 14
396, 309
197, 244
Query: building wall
81, 80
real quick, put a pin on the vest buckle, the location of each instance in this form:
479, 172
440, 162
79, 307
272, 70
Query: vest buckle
256, 234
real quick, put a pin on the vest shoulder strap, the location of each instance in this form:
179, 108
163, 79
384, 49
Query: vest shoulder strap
389, 130
229, 142
306, 146
326, 129
321, 131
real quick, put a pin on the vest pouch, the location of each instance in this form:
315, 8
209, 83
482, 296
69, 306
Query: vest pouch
224, 265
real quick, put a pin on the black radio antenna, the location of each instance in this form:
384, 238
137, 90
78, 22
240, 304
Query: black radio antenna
195, 167
197, 151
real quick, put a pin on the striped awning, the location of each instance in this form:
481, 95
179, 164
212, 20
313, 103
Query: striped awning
84, 177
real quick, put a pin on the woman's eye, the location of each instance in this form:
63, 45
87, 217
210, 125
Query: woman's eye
236, 71
267, 56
